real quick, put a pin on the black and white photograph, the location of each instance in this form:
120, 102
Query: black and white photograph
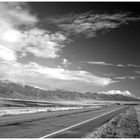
69, 69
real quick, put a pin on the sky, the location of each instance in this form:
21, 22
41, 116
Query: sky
77, 46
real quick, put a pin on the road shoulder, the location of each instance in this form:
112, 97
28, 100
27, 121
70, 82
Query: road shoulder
138, 114
124, 125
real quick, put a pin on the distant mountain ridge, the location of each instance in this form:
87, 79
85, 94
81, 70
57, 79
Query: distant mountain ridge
10, 89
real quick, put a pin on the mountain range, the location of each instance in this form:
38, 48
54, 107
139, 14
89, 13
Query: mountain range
14, 90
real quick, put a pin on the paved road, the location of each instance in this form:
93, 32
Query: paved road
44, 124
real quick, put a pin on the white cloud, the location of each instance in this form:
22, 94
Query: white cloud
65, 62
133, 65
90, 23
112, 92
132, 77
120, 78
34, 73
103, 63
110, 64
10, 36
126, 77
41, 43
7, 54
138, 72
120, 65
64, 74
99, 63
16, 14
14, 17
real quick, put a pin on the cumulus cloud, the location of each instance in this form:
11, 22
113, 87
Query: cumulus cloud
12, 16
16, 14
65, 62
90, 23
112, 92
15, 38
42, 43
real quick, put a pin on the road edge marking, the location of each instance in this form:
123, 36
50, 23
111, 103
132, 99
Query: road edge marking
79, 123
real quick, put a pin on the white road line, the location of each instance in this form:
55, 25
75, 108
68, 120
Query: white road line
79, 123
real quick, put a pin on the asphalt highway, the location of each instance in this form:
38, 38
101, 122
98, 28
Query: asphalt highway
61, 124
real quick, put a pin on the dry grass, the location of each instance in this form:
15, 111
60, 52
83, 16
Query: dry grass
128, 126
124, 125
5, 111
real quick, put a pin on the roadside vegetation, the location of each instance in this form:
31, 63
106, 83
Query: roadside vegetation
20, 110
124, 125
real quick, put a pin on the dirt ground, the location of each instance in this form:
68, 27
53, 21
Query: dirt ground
137, 108
125, 125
